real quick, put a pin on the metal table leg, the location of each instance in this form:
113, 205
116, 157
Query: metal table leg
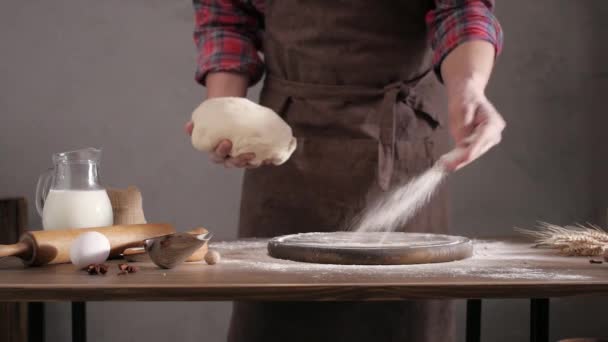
539, 320
79, 322
35, 322
473, 329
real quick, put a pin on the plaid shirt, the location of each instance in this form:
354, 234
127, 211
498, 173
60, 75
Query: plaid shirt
227, 32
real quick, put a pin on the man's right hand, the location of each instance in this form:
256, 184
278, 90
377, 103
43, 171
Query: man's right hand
221, 153
223, 84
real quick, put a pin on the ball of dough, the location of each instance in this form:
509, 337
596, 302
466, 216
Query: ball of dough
212, 257
250, 127
89, 248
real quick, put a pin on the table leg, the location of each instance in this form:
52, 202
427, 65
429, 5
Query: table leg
473, 329
79, 322
539, 320
35, 322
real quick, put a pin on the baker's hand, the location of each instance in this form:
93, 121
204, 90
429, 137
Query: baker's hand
475, 124
221, 153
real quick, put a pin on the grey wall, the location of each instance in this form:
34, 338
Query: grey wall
119, 74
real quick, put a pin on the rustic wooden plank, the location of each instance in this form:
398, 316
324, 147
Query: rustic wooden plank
13, 316
336, 292
499, 269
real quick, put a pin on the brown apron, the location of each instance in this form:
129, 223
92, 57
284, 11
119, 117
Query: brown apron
354, 81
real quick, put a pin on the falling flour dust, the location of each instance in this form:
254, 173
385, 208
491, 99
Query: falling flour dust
396, 208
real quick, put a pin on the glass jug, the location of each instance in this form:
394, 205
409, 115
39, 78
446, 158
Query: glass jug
69, 195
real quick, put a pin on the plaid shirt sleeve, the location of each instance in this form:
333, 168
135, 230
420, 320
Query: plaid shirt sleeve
454, 22
227, 37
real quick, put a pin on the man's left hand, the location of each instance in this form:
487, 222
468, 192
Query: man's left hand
475, 124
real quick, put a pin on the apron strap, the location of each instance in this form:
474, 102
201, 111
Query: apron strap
387, 110
320, 91
387, 145
393, 93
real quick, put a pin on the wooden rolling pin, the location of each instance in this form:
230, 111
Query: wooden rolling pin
53, 246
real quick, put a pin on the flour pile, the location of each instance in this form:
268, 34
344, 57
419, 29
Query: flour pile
396, 208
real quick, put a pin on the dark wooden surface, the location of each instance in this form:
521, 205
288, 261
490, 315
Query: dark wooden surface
13, 316
499, 269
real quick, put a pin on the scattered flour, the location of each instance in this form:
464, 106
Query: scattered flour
492, 260
367, 239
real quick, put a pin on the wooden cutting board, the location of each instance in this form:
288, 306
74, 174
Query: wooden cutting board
395, 248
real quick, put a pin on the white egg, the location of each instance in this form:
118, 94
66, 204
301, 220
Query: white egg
89, 248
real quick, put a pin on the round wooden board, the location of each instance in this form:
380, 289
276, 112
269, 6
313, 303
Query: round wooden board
395, 248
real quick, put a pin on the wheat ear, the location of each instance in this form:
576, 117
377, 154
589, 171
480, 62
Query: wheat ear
579, 240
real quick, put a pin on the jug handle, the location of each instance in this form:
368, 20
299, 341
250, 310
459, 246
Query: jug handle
42, 189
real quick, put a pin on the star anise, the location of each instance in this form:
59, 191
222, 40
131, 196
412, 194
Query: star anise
126, 269
94, 269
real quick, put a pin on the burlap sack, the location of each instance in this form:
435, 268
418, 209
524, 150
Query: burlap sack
127, 205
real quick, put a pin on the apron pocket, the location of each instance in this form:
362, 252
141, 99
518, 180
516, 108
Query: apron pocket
320, 188
337, 170
345, 160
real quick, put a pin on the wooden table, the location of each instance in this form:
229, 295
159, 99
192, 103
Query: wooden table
499, 269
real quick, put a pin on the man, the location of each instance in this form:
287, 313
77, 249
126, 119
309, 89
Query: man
359, 82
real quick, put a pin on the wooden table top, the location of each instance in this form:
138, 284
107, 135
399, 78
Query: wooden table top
499, 269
